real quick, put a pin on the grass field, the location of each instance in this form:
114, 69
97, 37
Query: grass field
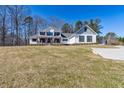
58, 66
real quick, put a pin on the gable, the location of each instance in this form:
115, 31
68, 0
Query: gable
86, 30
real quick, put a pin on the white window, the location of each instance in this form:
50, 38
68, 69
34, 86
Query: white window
49, 33
81, 38
56, 33
34, 40
64, 39
89, 38
42, 33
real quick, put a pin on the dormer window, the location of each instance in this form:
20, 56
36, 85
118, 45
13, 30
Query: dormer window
42, 33
56, 33
49, 33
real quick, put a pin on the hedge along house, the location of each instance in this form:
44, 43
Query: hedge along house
53, 35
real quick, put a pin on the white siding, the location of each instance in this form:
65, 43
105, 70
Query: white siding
94, 38
72, 40
75, 39
85, 38
31, 42
64, 42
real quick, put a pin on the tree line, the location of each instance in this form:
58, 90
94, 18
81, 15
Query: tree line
17, 24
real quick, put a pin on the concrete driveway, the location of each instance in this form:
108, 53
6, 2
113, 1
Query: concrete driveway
116, 53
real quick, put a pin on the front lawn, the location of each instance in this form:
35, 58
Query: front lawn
58, 66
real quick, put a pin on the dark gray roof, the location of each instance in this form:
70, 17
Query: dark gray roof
34, 36
67, 34
49, 28
80, 31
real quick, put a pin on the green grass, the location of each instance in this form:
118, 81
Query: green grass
58, 66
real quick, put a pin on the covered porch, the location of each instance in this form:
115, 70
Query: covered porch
45, 40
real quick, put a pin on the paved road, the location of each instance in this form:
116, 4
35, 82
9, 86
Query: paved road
116, 53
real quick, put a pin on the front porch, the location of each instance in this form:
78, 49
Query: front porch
48, 40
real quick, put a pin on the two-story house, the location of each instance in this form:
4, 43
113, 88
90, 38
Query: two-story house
53, 35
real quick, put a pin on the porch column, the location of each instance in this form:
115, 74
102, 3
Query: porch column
85, 38
53, 39
38, 40
46, 40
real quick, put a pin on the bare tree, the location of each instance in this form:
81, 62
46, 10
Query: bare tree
18, 14
3, 23
56, 22
28, 22
39, 23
